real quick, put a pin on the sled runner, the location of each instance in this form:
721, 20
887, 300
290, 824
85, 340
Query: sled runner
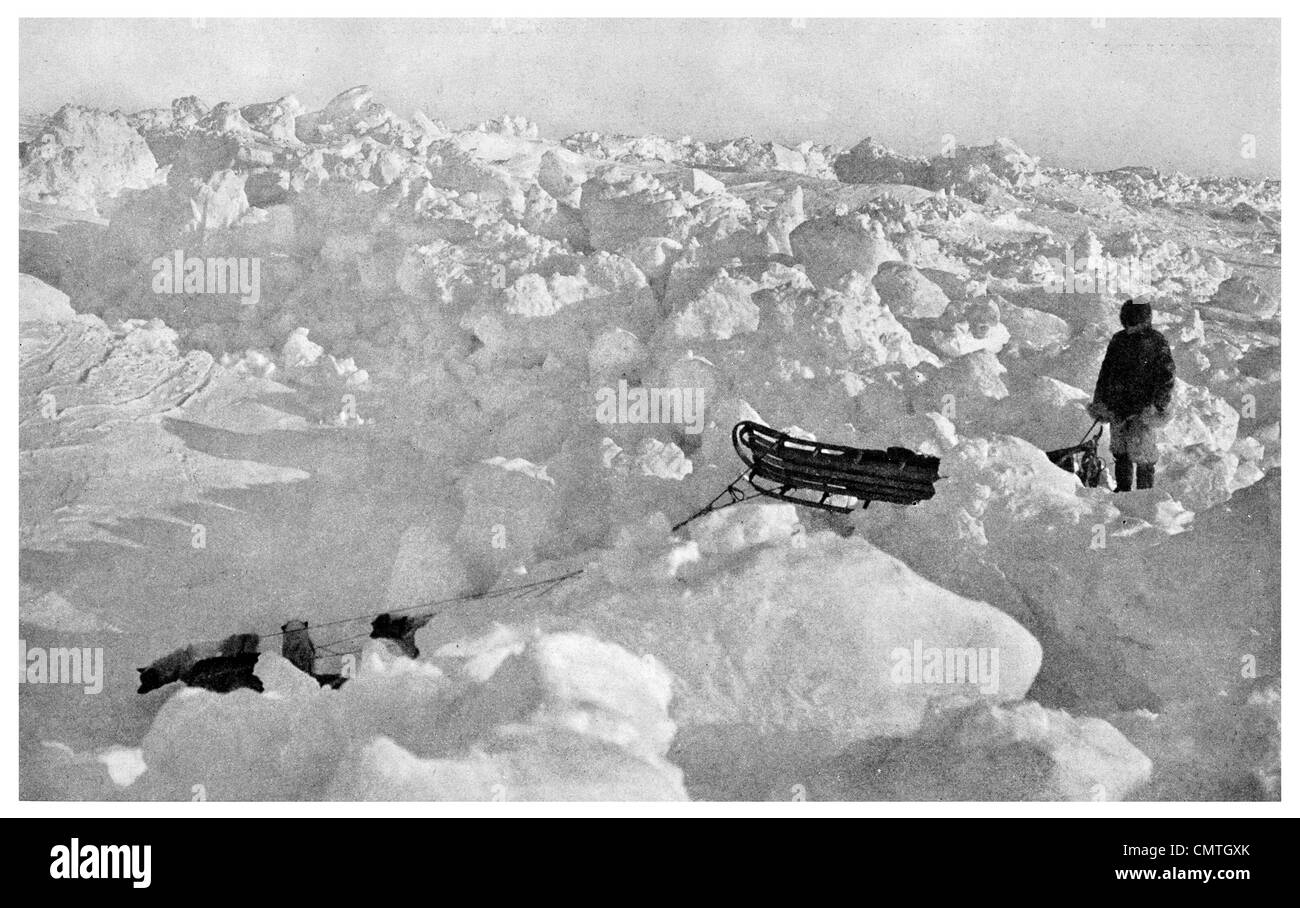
1083, 460
821, 475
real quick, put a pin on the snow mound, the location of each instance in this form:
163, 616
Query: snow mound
565, 717
92, 447
1033, 330
83, 157
832, 247
39, 302
1242, 294
778, 629
987, 752
871, 162
740, 528
908, 293
724, 309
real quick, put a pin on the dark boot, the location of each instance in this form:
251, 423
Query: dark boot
1123, 473
1146, 475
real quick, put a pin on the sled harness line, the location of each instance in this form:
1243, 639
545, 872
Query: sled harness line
536, 588
1095, 424
1082, 459
821, 475
734, 492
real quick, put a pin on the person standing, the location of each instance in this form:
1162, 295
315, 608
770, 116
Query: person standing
1134, 388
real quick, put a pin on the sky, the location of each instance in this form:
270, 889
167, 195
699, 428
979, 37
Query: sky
1196, 95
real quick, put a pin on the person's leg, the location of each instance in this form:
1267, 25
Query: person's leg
1143, 450
1146, 475
1123, 473
1119, 444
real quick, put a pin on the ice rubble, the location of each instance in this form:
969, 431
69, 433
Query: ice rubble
39, 302
990, 753
83, 157
981, 173
560, 716
471, 290
92, 447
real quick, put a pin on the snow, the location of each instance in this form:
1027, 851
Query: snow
908, 293
561, 717
82, 157
408, 414
830, 248
733, 530
993, 753
298, 351
1243, 294
653, 458
724, 309
39, 302
52, 612
125, 765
